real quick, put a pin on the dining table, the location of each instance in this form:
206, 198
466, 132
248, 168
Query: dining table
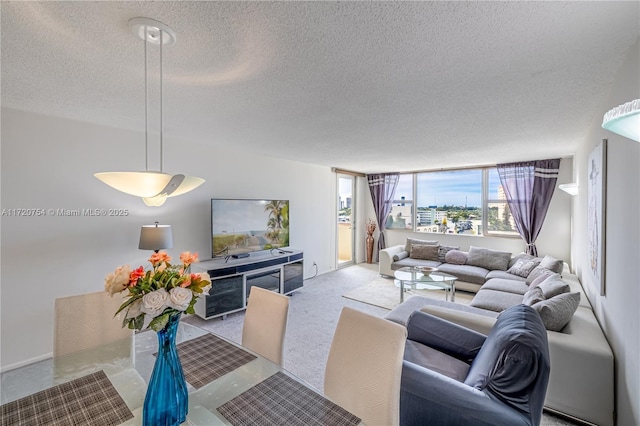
228, 384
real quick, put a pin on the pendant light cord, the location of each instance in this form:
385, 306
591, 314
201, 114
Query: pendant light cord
161, 104
146, 103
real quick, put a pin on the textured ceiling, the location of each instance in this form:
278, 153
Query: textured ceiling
365, 86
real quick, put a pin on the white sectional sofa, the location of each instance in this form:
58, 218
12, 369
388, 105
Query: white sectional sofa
581, 385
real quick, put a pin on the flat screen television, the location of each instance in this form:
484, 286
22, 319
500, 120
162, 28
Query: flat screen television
245, 226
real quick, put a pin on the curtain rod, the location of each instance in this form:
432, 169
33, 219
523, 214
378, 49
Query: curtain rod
347, 172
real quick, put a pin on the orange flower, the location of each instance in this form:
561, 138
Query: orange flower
135, 275
187, 258
187, 281
157, 258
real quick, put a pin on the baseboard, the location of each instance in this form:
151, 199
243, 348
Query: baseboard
26, 362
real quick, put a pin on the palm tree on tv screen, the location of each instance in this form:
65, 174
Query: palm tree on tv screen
278, 215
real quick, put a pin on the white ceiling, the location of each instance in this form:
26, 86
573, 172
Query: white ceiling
365, 86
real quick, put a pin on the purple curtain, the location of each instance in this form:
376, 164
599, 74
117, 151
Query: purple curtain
528, 187
383, 188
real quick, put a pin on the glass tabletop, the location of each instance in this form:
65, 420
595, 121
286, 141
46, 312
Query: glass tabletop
418, 277
128, 364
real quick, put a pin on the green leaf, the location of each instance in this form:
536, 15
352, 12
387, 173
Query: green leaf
159, 322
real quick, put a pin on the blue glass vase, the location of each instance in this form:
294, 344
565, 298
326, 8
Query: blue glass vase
167, 399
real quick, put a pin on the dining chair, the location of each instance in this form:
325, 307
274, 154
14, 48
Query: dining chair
364, 367
265, 323
86, 321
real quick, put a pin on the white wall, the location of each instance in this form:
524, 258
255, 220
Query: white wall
554, 238
49, 163
618, 310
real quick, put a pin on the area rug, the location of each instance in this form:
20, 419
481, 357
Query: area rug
383, 293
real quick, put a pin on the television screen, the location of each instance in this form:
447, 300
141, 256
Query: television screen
244, 226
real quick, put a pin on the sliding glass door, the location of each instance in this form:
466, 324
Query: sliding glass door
345, 215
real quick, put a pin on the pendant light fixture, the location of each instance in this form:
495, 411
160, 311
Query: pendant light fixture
624, 120
154, 187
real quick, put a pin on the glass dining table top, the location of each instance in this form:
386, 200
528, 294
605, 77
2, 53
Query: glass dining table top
128, 364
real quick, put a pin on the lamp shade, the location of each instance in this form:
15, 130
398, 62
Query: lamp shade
624, 120
155, 237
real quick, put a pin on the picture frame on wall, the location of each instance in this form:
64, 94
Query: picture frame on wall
596, 211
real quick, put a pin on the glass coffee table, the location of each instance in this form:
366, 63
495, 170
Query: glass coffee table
415, 278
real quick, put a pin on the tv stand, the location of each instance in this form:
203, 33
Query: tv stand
232, 279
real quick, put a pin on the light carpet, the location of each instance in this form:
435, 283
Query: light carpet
314, 310
384, 293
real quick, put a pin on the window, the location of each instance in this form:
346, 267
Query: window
449, 202
499, 218
468, 201
401, 215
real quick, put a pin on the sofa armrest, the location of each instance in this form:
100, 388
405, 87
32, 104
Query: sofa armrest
452, 339
385, 259
480, 323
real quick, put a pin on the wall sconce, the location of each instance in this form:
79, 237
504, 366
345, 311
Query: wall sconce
155, 237
624, 120
569, 188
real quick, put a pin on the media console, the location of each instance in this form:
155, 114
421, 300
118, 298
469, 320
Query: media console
232, 279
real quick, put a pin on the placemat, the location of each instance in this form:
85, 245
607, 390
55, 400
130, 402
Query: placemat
208, 357
89, 400
280, 400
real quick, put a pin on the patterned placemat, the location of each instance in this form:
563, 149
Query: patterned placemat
89, 400
280, 400
208, 357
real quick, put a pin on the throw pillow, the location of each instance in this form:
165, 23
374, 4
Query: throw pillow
552, 264
442, 252
455, 257
413, 241
519, 256
536, 272
489, 259
557, 311
553, 286
542, 278
424, 252
400, 256
533, 296
523, 267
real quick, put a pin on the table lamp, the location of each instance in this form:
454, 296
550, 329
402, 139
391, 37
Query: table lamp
155, 237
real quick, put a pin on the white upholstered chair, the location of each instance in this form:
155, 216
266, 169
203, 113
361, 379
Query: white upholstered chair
364, 367
265, 323
87, 321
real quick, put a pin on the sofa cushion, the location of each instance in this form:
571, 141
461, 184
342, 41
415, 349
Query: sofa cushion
553, 264
443, 250
488, 259
557, 311
412, 241
467, 273
523, 267
504, 275
414, 262
495, 300
541, 278
455, 257
435, 360
553, 286
537, 271
508, 286
424, 251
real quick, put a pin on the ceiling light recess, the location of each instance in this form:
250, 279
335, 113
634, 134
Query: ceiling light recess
152, 186
624, 120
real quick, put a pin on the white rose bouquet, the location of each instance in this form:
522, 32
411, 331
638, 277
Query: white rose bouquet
159, 292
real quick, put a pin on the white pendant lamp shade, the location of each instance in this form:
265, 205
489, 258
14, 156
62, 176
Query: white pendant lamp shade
624, 120
153, 187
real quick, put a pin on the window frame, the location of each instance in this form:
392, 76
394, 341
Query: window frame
484, 203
